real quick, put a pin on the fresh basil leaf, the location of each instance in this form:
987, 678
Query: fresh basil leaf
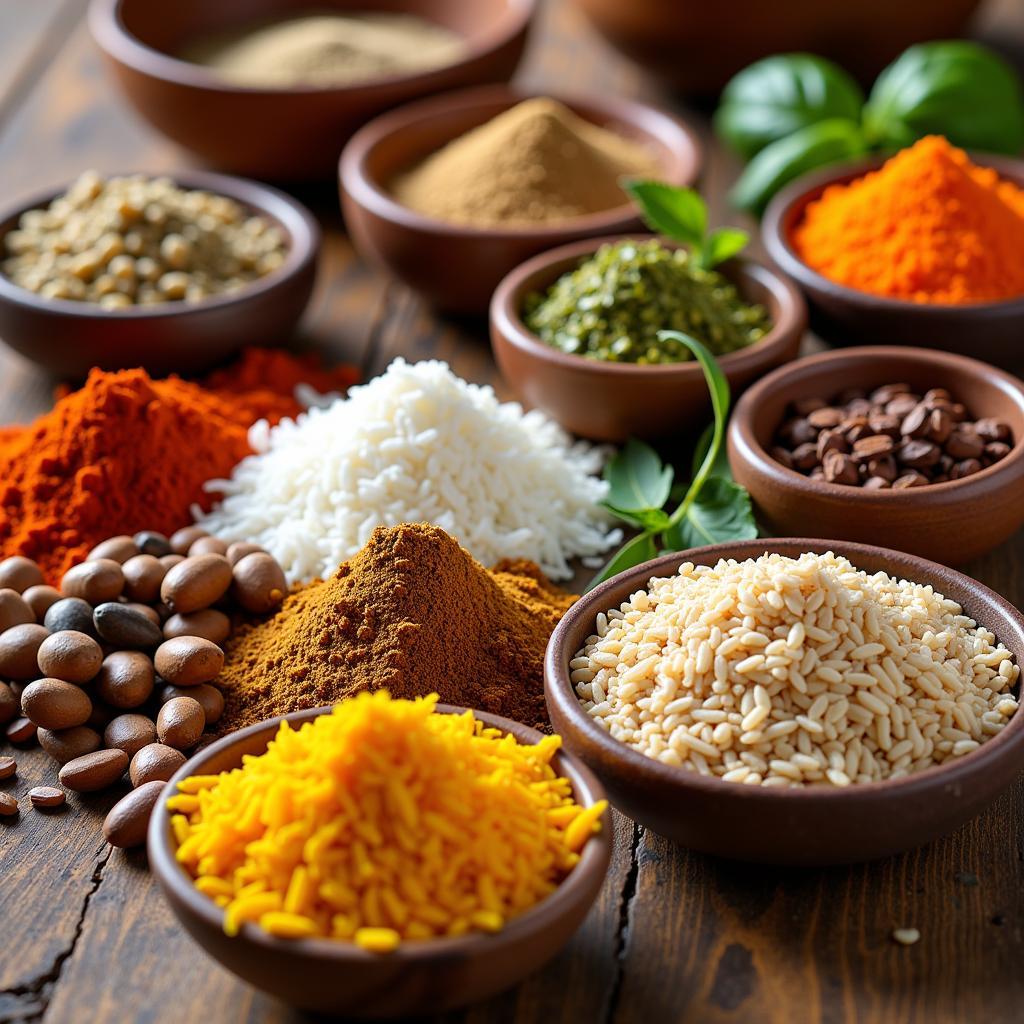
958, 89
721, 511
817, 145
637, 479
639, 549
651, 519
779, 95
678, 213
722, 244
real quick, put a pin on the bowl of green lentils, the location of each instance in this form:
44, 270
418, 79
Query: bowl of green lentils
575, 333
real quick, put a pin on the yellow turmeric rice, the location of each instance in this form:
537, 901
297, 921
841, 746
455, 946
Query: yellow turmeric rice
382, 822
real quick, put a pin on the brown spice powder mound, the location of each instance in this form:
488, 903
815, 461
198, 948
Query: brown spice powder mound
412, 612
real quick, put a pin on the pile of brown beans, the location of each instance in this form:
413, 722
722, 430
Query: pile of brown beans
892, 437
114, 672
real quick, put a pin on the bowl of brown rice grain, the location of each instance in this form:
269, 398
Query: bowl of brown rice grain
792, 701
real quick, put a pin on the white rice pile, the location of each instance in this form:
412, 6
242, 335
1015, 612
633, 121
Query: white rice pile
416, 444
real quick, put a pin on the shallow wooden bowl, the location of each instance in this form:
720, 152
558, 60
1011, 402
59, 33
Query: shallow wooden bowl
614, 401
809, 826
951, 522
423, 977
69, 338
291, 133
455, 266
844, 316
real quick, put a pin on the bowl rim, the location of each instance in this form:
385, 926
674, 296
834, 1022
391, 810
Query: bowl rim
594, 859
749, 449
673, 134
789, 204
304, 238
560, 692
111, 34
507, 321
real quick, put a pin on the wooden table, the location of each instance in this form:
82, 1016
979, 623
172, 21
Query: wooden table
675, 936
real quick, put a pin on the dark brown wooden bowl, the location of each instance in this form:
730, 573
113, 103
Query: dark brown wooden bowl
844, 316
69, 338
456, 266
615, 401
814, 825
951, 522
286, 134
421, 977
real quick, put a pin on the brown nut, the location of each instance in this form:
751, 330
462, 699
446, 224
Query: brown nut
70, 613
919, 454
22, 730
964, 443
839, 468
155, 762
95, 582
19, 646
14, 609
71, 656
180, 723
54, 704
209, 624
126, 679
47, 797
127, 822
8, 805
911, 479
873, 446
188, 660
94, 772
67, 744
171, 560
805, 456
143, 575
196, 583
150, 542
260, 585
8, 767
19, 573
130, 733
9, 704
146, 610
237, 551
208, 546
990, 429
184, 538
41, 599
122, 626
117, 549
211, 699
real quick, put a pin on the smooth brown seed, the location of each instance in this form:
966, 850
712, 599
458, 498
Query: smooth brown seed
260, 585
8, 805
67, 744
196, 583
129, 733
117, 549
964, 443
180, 723
128, 820
147, 610
170, 561
71, 656
211, 699
47, 796
22, 730
41, 599
122, 626
9, 703
94, 771
184, 538
8, 767
95, 582
188, 660
126, 679
19, 573
19, 646
209, 624
70, 613
155, 763
237, 551
208, 546
143, 575
54, 704
14, 609
149, 542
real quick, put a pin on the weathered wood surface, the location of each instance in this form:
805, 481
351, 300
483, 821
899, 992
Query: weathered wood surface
677, 937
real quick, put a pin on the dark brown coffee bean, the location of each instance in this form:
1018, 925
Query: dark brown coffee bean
70, 613
966, 468
54, 704
125, 680
805, 456
873, 446
779, 454
130, 733
880, 423
884, 467
957, 412
964, 443
863, 408
854, 428
155, 763
41, 599
805, 406
909, 480
887, 392
149, 542
211, 699
915, 423
71, 656
184, 538
143, 575
196, 583
68, 744
19, 646
839, 468
180, 723
259, 583
22, 730
800, 432
122, 626
876, 483
240, 549
824, 419
8, 805
188, 660
128, 820
19, 573
940, 426
94, 772
95, 582
901, 406
47, 797
989, 429
995, 451
918, 454
9, 704
8, 767
117, 549
830, 441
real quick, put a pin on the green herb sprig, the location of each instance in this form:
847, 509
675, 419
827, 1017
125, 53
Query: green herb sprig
712, 508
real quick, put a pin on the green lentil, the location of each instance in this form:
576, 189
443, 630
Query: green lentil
613, 305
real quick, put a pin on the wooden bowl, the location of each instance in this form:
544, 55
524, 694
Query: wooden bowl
614, 401
420, 977
457, 266
814, 825
698, 46
843, 316
289, 133
69, 338
952, 522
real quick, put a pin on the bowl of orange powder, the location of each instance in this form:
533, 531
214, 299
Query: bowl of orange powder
924, 248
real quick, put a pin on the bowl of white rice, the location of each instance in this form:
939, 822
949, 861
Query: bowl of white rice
792, 701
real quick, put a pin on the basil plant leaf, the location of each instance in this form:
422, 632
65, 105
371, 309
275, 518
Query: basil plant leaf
779, 95
721, 511
639, 549
653, 520
678, 213
637, 479
722, 244
817, 145
958, 89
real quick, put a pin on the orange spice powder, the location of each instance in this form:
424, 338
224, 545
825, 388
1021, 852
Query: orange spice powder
928, 226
